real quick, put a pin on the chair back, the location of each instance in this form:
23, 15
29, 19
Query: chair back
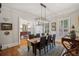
38, 35
54, 36
42, 41
31, 36
49, 38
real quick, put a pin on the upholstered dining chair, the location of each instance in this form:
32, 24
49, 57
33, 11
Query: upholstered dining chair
41, 45
53, 40
49, 40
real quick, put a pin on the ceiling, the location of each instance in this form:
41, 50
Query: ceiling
52, 9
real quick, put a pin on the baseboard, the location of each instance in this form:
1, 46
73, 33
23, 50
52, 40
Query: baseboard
5, 46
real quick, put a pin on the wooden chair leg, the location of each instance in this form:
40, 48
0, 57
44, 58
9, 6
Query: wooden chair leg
40, 52
44, 50
50, 45
47, 48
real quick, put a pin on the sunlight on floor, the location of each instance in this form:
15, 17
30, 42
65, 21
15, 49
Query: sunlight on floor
23, 42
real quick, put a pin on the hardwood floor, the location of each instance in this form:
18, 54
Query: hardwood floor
23, 42
10, 52
14, 50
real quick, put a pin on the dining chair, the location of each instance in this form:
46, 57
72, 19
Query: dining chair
53, 39
49, 41
41, 45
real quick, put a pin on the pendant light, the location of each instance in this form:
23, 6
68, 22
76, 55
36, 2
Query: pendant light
41, 17
43, 6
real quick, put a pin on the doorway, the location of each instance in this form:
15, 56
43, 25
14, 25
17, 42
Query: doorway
23, 32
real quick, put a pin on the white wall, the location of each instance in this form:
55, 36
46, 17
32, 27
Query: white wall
13, 38
13, 17
73, 17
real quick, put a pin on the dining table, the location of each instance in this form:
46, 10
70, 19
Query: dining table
33, 42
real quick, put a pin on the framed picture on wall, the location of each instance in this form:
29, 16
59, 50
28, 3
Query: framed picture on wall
6, 26
53, 26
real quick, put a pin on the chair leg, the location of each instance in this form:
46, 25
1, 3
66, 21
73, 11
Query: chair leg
40, 52
44, 50
28, 48
47, 48
54, 42
50, 45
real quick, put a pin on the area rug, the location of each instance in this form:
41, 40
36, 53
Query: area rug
55, 51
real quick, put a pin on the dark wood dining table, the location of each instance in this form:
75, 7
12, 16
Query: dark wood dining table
34, 43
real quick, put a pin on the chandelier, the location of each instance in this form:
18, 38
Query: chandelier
43, 14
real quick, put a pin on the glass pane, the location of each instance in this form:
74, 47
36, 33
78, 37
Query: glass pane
65, 23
